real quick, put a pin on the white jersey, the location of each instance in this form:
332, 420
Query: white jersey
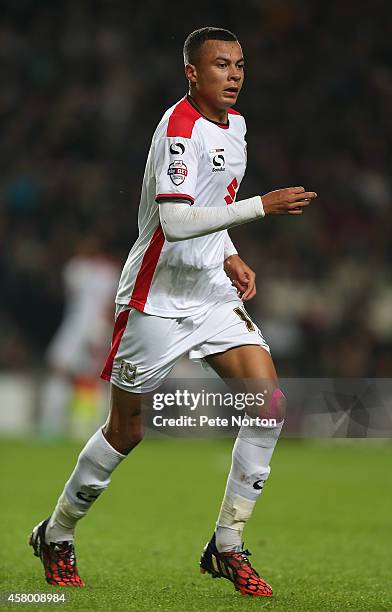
195, 159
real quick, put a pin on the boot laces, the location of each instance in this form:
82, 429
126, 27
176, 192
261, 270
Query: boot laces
66, 551
243, 555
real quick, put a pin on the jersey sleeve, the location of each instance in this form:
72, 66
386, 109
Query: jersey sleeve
176, 166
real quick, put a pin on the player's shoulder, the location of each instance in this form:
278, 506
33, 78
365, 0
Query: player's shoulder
233, 111
237, 119
179, 120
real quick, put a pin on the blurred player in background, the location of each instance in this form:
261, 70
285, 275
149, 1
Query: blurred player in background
76, 352
176, 296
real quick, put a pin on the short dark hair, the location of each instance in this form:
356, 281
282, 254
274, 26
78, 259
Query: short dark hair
195, 40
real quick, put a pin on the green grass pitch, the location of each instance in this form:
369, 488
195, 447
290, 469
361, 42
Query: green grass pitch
321, 532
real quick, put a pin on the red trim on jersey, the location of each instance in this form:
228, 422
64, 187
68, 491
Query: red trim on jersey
146, 272
182, 120
184, 117
184, 196
119, 328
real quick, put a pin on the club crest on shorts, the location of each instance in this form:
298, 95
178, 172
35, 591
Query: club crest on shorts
127, 372
177, 172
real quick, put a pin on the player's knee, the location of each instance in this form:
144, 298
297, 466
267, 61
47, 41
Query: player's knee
277, 405
271, 404
274, 405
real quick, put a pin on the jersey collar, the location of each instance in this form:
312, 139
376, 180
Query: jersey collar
224, 126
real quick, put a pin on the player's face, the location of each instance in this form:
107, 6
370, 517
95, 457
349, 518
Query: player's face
218, 75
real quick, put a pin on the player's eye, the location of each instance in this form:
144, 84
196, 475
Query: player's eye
241, 66
222, 65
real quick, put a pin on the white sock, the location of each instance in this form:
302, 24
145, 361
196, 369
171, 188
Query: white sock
89, 479
250, 469
55, 397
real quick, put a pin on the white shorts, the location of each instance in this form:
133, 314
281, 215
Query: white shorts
145, 347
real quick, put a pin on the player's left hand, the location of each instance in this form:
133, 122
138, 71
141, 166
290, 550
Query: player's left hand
242, 277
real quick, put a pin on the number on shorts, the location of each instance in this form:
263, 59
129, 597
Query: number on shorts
243, 315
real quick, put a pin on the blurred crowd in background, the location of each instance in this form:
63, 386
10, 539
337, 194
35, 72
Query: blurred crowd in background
83, 85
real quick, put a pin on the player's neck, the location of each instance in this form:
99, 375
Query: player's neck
213, 114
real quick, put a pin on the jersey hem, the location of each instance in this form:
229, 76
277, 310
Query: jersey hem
135, 304
173, 314
226, 346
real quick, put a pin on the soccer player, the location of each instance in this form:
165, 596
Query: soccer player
176, 296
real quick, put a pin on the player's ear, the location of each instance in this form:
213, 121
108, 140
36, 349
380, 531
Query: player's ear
191, 73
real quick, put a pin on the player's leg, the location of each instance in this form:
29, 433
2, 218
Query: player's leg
251, 368
144, 349
123, 429
103, 452
53, 539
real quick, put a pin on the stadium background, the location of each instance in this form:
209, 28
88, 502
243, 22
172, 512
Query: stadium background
83, 85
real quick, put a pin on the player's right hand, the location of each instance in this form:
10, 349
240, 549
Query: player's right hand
289, 201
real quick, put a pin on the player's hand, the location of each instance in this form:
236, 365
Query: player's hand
289, 201
242, 277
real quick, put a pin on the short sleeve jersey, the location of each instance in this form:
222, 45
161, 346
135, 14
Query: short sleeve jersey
200, 161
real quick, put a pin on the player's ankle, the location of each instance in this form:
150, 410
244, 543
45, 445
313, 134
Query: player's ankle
227, 539
56, 533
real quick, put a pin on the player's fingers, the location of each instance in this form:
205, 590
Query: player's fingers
309, 195
246, 294
299, 204
305, 195
249, 293
241, 287
296, 189
243, 279
295, 211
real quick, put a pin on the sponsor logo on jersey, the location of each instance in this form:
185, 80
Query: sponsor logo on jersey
218, 159
177, 172
259, 484
127, 372
219, 163
177, 148
231, 188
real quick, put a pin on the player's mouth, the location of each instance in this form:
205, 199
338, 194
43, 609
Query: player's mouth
232, 91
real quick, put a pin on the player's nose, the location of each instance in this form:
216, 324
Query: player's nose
235, 76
